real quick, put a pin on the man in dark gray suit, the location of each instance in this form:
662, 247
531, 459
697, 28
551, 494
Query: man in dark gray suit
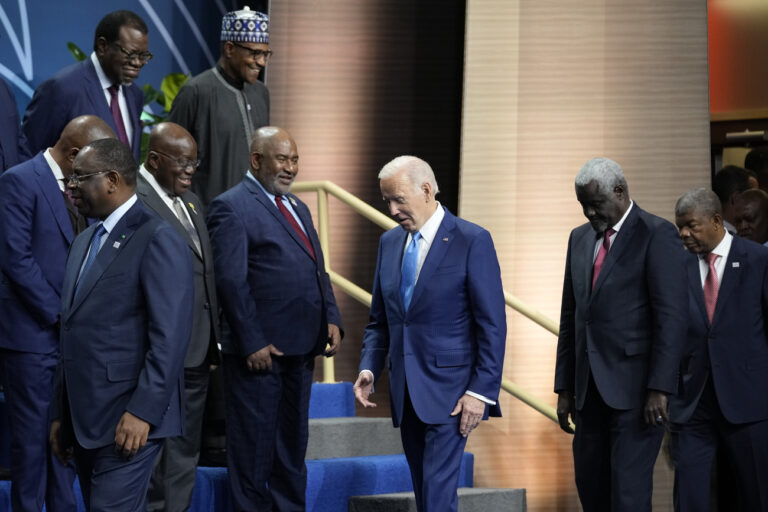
163, 186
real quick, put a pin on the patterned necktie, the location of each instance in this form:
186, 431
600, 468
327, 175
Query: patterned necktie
408, 270
711, 286
93, 250
114, 105
190, 229
295, 225
601, 254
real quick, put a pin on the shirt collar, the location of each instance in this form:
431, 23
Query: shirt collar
155, 185
105, 82
57, 173
268, 193
114, 217
618, 225
429, 229
723, 248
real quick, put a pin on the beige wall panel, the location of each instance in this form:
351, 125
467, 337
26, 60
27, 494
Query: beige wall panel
549, 85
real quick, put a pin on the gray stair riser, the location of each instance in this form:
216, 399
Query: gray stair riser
475, 499
352, 437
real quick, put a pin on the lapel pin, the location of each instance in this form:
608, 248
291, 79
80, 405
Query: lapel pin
293, 201
192, 207
735, 264
116, 245
445, 239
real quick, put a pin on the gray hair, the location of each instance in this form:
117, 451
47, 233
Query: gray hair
606, 173
417, 170
698, 200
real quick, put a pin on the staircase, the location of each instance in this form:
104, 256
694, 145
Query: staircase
353, 464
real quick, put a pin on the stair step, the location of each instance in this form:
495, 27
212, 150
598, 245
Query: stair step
471, 499
331, 400
352, 437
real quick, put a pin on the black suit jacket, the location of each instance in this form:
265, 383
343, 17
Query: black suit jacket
205, 325
733, 349
629, 331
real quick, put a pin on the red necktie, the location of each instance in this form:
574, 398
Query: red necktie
114, 105
601, 254
711, 286
292, 221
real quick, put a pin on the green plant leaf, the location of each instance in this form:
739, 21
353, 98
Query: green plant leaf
170, 87
76, 52
150, 94
150, 119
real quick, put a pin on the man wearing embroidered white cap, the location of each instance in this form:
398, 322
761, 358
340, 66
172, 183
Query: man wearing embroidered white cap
223, 106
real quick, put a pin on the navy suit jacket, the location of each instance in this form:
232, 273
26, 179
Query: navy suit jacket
629, 331
35, 235
733, 349
453, 336
270, 288
124, 335
74, 91
9, 128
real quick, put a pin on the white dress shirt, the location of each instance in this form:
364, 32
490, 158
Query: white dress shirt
106, 84
722, 250
57, 173
109, 224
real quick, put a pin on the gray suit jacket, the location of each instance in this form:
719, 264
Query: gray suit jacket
205, 324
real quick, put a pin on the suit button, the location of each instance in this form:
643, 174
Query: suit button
207, 306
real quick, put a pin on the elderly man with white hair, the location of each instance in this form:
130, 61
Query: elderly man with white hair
622, 331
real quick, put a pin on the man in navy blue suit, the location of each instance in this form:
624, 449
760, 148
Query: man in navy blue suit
126, 317
438, 313
101, 85
279, 313
722, 403
9, 128
37, 225
622, 326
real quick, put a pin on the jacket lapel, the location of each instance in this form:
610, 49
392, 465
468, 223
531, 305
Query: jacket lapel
54, 197
735, 267
694, 284
437, 251
198, 221
155, 203
391, 262
96, 94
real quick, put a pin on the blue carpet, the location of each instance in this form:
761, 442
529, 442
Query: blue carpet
332, 400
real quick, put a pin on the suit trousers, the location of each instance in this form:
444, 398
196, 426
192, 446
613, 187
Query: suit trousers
614, 452
112, 483
695, 444
267, 429
434, 453
37, 477
173, 478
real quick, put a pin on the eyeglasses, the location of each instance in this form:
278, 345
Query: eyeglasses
142, 57
76, 179
255, 54
183, 164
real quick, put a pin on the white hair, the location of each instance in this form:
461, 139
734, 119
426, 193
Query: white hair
603, 171
417, 170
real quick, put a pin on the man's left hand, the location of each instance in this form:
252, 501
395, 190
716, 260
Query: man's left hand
334, 340
655, 410
471, 410
130, 435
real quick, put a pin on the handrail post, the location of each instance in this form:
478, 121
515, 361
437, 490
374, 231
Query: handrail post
329, 371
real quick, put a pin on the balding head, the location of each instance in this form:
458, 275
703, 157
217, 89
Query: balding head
172, 157
274, 159
78, 133
752, 215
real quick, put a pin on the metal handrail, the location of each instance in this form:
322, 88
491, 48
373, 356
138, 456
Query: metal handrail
323, 188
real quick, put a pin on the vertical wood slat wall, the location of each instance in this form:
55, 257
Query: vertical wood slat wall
547, 86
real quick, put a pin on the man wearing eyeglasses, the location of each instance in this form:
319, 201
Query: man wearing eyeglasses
163, 186
126, 321
223, 106
101, 85
37, 225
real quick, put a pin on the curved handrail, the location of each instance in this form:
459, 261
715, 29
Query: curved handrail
323, 188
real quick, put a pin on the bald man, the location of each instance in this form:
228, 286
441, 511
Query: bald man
37, 225
752, 215
163, 185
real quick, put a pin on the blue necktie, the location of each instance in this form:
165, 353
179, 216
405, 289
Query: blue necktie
408, 271
92, 252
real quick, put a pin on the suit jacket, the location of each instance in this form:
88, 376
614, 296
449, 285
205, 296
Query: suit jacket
271, 290
453, 336
628, 332
205, 321
74, 91
9, 128
125, 334
35, 235
733, 349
